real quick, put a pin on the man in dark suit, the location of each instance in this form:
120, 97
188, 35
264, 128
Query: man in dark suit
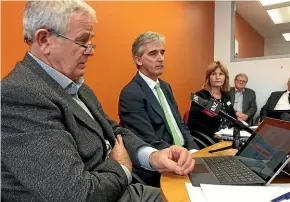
279, 100
244, 99
57, 142
146, 104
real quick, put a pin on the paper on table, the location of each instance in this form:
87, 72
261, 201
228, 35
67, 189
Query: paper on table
230, 193
286, 185
229, 132
253, 127
194, 193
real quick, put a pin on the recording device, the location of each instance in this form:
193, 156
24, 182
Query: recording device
213, 108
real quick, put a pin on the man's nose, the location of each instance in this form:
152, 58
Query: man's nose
90, 53
160, 57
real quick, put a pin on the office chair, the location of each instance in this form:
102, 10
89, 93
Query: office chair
257, 121
186, 117
251, 121
201, 139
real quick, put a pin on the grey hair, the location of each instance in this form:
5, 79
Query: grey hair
242, 75
51, 15
143, 38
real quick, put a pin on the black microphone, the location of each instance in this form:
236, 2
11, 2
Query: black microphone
213, 108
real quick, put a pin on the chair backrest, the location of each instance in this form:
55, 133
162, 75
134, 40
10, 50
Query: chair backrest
257, 121
251, 121
186, 117
202, 140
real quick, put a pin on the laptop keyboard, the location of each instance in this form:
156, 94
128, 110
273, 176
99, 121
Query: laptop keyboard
230, 170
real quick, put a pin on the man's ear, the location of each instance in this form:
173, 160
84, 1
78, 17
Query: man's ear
42, 39
137, 60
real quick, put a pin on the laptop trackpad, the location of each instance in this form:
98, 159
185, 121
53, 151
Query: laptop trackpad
201, 174
200, 168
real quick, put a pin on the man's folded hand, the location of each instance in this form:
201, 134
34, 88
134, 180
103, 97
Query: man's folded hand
120, 154
173, 159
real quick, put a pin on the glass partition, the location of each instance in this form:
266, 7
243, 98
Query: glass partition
256, 33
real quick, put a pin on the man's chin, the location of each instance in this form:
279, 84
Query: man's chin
159, 72
78, 75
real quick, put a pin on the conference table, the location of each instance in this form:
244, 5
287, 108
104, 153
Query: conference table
173, 186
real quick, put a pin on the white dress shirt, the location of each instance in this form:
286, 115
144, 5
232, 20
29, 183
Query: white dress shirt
283, 103
239, 96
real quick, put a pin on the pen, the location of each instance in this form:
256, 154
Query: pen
285, 196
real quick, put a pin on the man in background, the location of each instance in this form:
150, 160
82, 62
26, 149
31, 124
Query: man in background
147, 106
244, 99
57, 142
279, 100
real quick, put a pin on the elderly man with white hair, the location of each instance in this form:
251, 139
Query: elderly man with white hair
57, 142
243, 99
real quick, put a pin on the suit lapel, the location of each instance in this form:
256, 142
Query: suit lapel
85, 95
151, 97
81, 114
245, 100
77, 110
233, 95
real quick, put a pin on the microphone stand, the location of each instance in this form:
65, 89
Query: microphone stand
214, 107
236, 135
236, 144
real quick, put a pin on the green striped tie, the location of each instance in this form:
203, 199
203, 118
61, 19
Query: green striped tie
176, 138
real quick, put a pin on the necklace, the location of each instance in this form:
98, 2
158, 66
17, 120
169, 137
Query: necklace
214, 96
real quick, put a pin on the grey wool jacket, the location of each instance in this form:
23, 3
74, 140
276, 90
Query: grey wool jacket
52, 150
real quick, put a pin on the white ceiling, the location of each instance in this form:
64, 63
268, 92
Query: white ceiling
255, 14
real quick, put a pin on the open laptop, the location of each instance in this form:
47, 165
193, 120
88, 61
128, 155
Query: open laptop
259, 160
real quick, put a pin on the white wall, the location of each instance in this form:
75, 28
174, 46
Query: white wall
265, 76
276, 46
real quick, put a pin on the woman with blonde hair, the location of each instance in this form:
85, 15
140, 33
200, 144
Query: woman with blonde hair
216, 86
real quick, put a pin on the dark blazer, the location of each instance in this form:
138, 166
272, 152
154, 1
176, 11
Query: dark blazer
271, 103
140, 111
249, 101
199, 121
52, 150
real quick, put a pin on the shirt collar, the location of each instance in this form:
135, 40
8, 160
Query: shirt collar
151, 83
66, 83
237, 91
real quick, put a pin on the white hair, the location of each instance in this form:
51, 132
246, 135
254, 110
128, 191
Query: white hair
142, 39
51, 15
241, 75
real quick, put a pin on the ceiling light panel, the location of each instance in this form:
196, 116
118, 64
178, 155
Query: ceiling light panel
280, 15
272, 2
286, 36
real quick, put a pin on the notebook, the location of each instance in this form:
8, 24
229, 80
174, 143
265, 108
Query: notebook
229, 193
227, 134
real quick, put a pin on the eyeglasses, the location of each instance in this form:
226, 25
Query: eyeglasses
241, 81
88, 47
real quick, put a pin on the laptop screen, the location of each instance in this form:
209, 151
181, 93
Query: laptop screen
265, 152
